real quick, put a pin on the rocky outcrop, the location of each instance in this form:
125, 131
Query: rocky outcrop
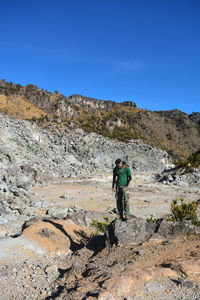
56, 103
135, 231
179, 176
94, 105
195, 117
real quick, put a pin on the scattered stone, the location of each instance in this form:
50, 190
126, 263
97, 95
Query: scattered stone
191, 269
140, 252
184, 283
52, 271
65, 196
198, 202
45, 232
77, 208
60, 213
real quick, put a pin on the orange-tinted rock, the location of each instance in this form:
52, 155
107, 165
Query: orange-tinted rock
56, 235
167, 272
191, 269
106, 296
120, 286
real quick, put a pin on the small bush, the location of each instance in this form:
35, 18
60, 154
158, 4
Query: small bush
184, 211
99, 225
34, 119
151, 220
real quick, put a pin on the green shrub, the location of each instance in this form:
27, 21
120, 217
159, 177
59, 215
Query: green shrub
122, 133
191, 162
99, 225
151, 220
34, 119
184, 211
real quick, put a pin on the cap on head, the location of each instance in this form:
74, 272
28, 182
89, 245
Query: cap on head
118, 161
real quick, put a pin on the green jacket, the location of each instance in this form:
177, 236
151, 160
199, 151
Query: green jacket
121, 176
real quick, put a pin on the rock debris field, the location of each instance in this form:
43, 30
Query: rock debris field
54, 258
54, 182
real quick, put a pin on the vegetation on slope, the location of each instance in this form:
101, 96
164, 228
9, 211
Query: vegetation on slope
173, 131
184, 211
180, 137
19, 108
193, 161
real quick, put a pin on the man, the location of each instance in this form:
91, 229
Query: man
122, 178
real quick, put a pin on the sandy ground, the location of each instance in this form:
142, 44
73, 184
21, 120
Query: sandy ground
147, 197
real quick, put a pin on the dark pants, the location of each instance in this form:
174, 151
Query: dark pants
122, 200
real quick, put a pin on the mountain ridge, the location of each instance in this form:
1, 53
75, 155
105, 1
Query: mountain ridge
174, 131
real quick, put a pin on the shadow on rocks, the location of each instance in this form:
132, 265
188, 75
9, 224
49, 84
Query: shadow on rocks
97, 243
73, 245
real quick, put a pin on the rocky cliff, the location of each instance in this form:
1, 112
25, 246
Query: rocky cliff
56, 103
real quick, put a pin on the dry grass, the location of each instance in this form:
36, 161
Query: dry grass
19, 108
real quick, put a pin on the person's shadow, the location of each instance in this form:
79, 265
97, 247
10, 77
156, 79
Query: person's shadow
73, 245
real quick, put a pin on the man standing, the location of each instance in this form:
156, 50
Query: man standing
122, 178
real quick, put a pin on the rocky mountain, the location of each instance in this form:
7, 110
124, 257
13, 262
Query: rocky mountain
56, 104
173, 131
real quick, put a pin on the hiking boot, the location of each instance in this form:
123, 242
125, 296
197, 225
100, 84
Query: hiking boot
126, 218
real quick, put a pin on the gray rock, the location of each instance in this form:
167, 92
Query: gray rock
59, 213
77, 208
134, 231
65, 196
179, 176
26, 177
198, 202
185, 283
3, 187
3, 213
84, 218
67, 153
169, 229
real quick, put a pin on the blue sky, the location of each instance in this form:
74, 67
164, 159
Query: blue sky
146, 51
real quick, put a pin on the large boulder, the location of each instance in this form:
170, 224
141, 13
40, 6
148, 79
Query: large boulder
134, 231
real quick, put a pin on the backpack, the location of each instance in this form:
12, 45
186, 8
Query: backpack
124, 162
